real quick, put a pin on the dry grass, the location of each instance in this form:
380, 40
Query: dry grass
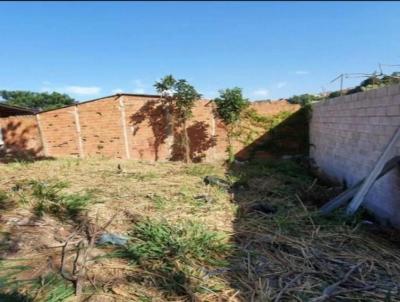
290, 255
295, 254
131, 190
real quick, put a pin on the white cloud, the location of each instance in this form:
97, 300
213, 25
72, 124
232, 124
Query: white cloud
302, 72
82, 90
281, 84
118, 90
261, 92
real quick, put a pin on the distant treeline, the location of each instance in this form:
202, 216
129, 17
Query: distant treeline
35, 100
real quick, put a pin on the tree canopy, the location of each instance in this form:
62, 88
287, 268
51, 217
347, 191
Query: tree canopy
36, 100
230, 104
166, 86
185, 96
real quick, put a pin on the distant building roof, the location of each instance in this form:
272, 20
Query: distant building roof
9, 110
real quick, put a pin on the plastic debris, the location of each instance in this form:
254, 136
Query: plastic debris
114, 239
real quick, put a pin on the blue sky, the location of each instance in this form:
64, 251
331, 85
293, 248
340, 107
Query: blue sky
271, 50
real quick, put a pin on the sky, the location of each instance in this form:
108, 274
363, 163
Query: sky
270, 49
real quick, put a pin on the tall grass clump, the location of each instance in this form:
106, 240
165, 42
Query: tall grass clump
175, 253
5, 201
50, 199
49, 288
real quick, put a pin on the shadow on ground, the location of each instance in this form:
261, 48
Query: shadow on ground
286, 251
290, 137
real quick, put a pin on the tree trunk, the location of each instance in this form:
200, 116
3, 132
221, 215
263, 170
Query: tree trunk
169, 129
231, 155
186, 143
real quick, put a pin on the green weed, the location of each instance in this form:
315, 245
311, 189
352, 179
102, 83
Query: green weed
5, 201
188, 241
174, 251
9, 283
55, 289
50, 199
50, 288
159, 201
75, 203
47, 191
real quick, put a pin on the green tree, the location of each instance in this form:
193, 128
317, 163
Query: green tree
165, 87
230, 105
36, 100
185, 96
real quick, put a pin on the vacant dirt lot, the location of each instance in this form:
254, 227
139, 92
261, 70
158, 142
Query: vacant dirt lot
251, 234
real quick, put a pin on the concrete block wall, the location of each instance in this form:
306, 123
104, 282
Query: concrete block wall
130, 127
347, 136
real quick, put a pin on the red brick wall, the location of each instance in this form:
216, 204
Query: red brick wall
59, 132
136, 127
202, 133
146, 125
21, 135
101, 130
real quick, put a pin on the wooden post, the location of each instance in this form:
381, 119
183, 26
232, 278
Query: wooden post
123, 125
78, 132
44, 145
